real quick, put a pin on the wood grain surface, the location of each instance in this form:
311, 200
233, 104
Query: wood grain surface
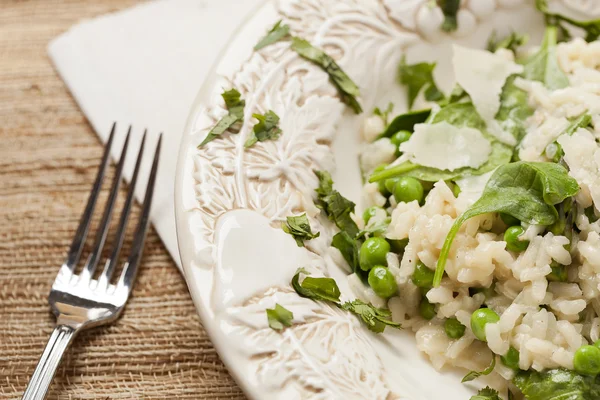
48, 158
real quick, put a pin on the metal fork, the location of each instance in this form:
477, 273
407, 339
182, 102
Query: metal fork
78, 301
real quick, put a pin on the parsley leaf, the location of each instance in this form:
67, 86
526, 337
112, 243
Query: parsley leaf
476, 374
416, 77
450, 9
325, 289
276, 33
384, 115
336, 207
510, 42
265, 129
543, 65
557, 384
299, 228
486, 393
375, 318
279, 317
349, 249
345, 86
235, 104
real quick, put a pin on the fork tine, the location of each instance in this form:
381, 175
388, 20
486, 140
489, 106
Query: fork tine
84, 223
114, 257
130, 270
96, 253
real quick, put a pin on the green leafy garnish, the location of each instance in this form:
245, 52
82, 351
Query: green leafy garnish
349, 249
514, 109
487, 393
375, 318
279, 317
299, 228
336, 207
345, 86
406, 122
511, 42
265, 129
276, 33
543, 65
235, 104
416, 77
557, 384
374, 229
472, 375
325, 289
450, 9
527, 191
554, 150
384, 114
591, 27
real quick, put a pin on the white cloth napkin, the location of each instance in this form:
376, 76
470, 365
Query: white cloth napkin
143, 67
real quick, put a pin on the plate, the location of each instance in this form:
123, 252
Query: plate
230, 201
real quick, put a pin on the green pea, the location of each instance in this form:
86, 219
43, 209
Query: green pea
509, 220
426, 309
408, 189
454, 329
423, 276
370, 213
587, 360
511, 237
373, 252
390, 184
511, 358
398, 246
382, 282
398, 138
559, 273
381, 184
480, 318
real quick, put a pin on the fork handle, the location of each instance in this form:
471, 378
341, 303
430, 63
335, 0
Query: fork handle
40, 381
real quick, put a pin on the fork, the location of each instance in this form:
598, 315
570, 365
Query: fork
78, 301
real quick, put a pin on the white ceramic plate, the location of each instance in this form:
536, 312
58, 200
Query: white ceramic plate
230, 201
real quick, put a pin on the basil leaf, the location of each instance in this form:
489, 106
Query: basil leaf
450, 9
554, 150
235, 105
487, 393
349, 249
405, 122
265, 129
417, 77
346, 87
557, 384
375, 318
336, 207
591, 27
384, 114
299, 228
514, 109
476, 374
276, 33
527, 191
325, 289
279, 317
511, 42
543, 65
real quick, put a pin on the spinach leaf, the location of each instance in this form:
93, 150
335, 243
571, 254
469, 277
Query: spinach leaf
557, 384
279, 317
591, 27
348, 246
514, 109
416, 77
265, 129
450, 9
325, 289
472, 375
336, 207
543, 65
554, 150
486, 393
235, 104
384, 114
510, 42
299, 228
527, 191
405, 122
346, 87
375, 318
276, 33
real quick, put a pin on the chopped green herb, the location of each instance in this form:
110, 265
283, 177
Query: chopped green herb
487, 393
235, 105
375, 318
279, 317
276, 33
384, 115
543, 65
265, 129
450, 9
419, 77
348, 246
527, 191
345, 86
476, 374
325, 289
557, 384
406, 122
299, 227
511, 42
374, 229
336, 207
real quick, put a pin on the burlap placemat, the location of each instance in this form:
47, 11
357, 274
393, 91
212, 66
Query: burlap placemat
48, 158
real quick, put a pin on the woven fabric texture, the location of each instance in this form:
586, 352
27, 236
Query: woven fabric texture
48, 159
